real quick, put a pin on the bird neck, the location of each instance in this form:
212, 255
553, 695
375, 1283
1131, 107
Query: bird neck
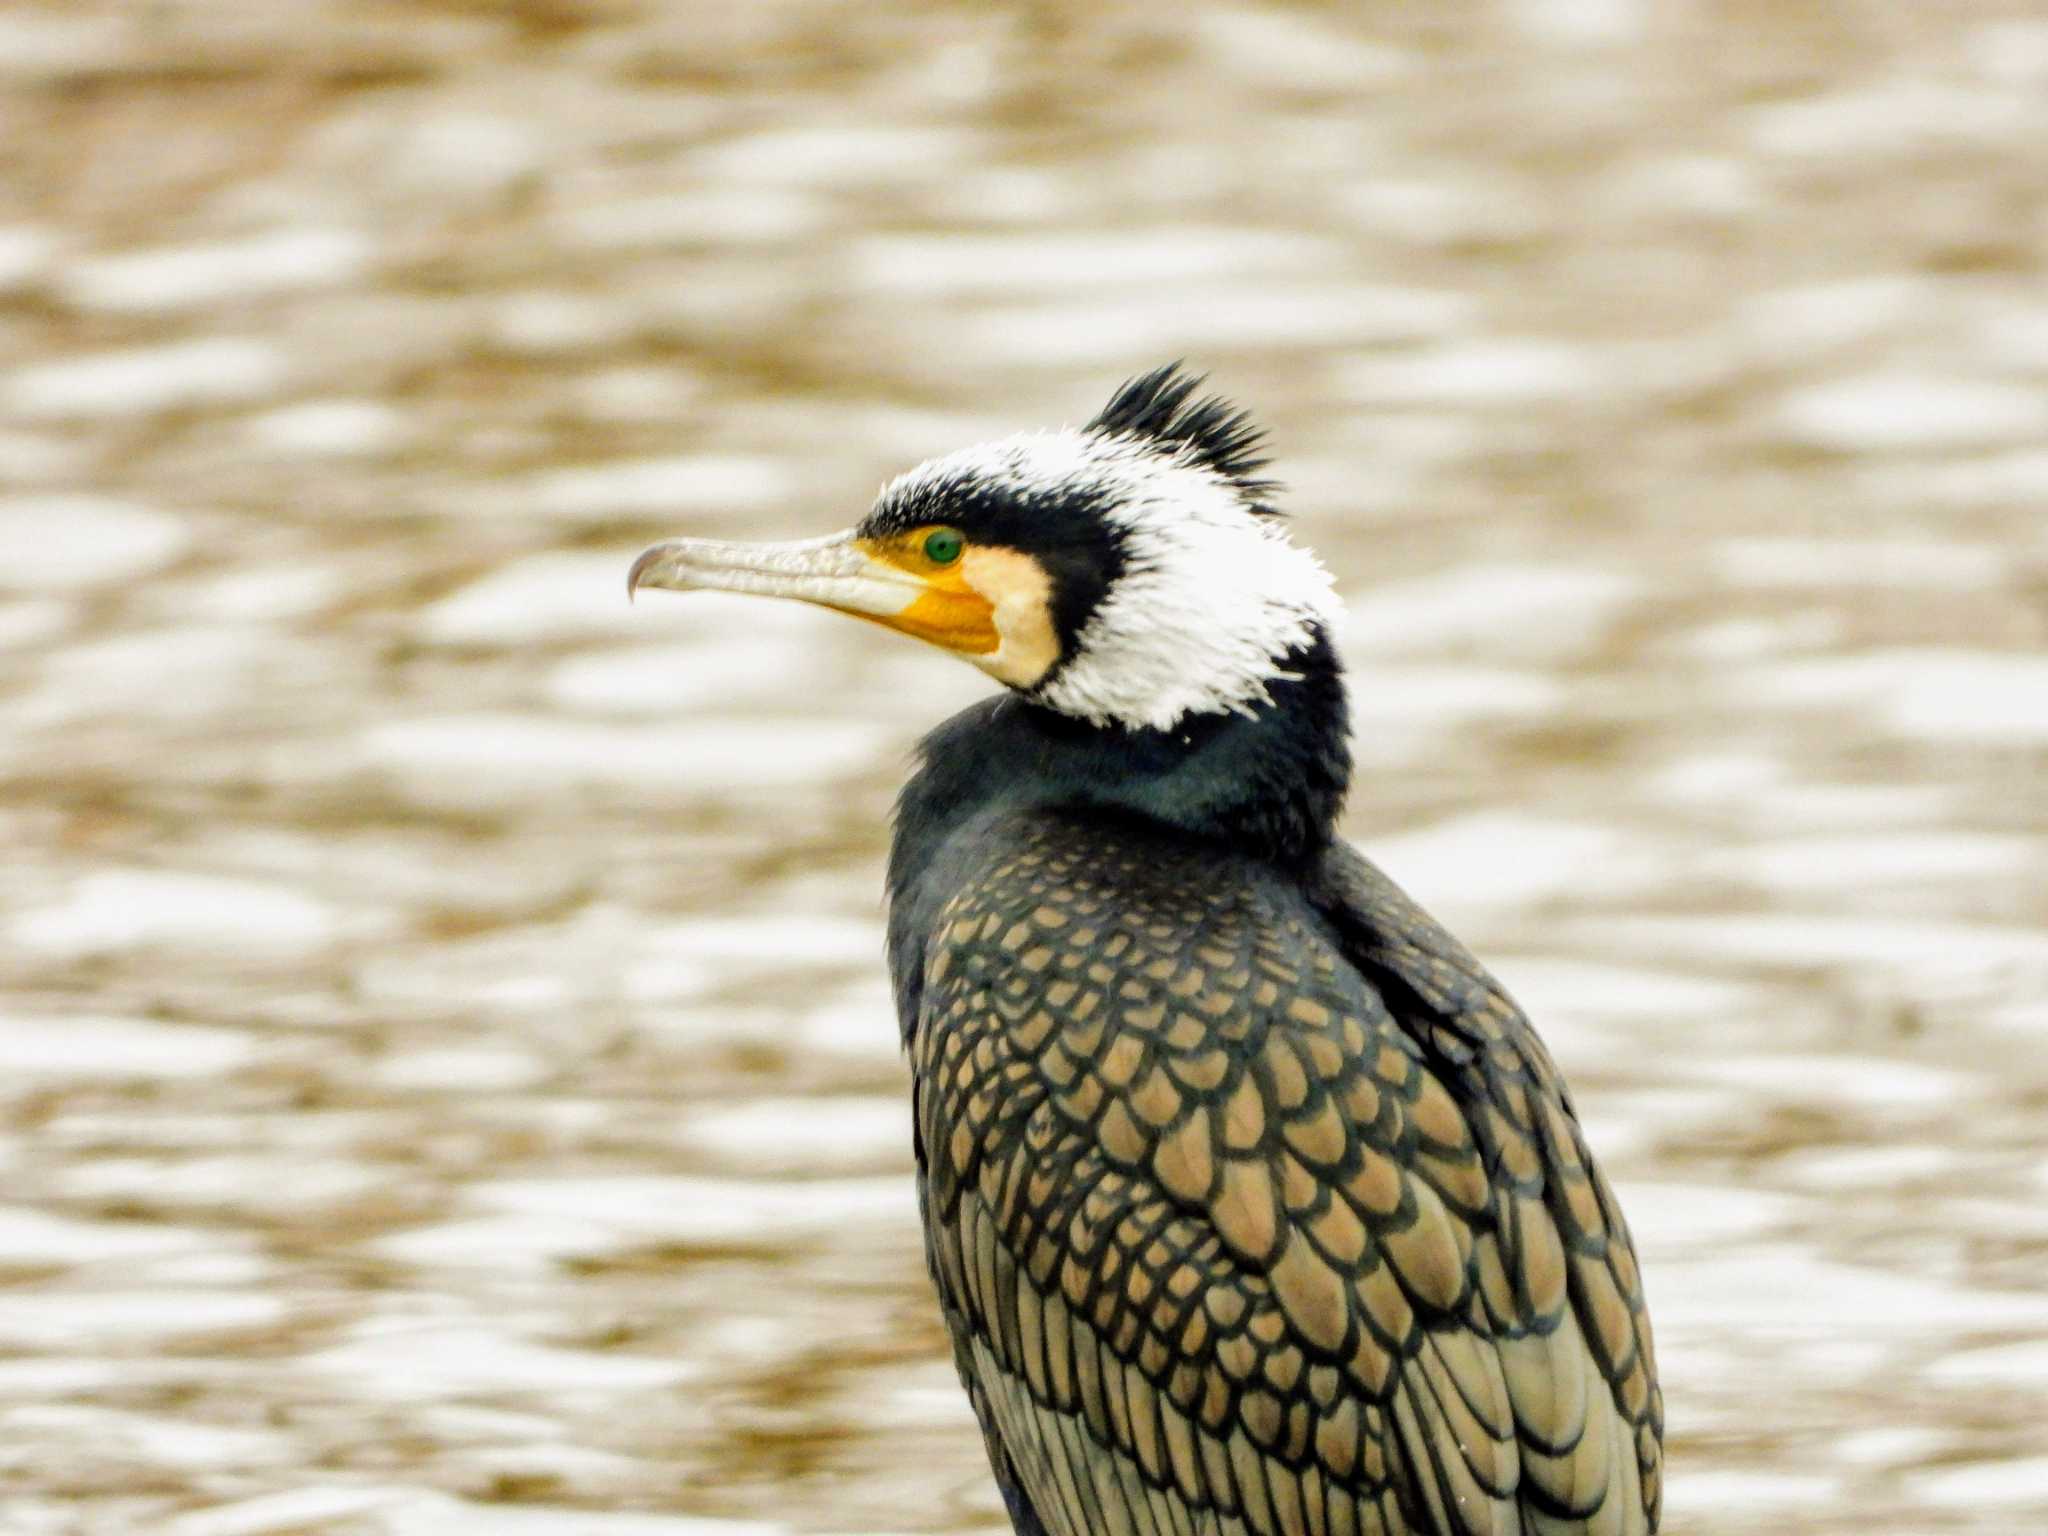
1267, 784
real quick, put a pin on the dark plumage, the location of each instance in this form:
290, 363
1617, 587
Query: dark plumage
1244, 1185
1255, 1207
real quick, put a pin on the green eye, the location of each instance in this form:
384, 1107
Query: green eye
942, 546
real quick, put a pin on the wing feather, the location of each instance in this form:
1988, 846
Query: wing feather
1245, 1222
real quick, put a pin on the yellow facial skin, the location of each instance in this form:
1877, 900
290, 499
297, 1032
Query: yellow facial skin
992, 606
951, 611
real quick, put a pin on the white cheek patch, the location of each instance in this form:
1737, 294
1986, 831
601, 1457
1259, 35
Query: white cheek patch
1019, 594
1212, 597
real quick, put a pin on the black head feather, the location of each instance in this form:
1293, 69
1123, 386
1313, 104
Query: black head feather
1210, 431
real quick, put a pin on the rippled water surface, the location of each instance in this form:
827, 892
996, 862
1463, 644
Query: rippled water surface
447, 1078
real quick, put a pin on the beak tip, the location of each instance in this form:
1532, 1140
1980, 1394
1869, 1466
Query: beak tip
639, 569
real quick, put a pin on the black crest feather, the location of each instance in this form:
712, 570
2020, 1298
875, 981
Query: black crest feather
1160, 405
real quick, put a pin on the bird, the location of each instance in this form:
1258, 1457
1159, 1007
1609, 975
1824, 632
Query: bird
1254, 1205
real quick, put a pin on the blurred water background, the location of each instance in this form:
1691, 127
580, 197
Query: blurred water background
447, 1082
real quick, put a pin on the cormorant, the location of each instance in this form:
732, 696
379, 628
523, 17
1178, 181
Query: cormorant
1254, 1204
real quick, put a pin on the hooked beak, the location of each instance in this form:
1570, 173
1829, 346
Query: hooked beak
870, 579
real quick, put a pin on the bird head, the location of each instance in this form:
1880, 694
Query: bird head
1131, 572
